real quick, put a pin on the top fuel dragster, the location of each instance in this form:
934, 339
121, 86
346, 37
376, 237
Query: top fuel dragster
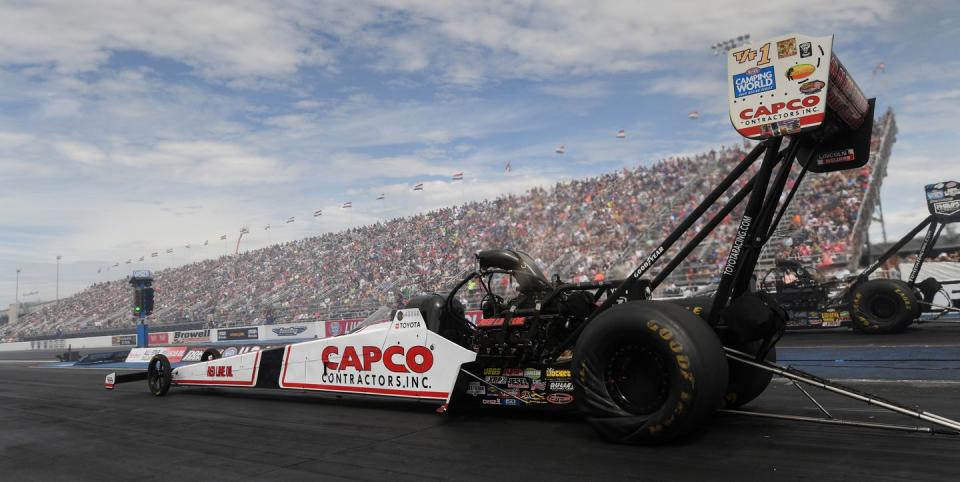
871, 305
641, 371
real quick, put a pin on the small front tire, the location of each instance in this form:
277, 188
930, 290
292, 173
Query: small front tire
159, 375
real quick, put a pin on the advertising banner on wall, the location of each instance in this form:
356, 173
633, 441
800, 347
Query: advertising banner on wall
159, 338
143, 355
289, 331
235, 334
191, 336
123, 340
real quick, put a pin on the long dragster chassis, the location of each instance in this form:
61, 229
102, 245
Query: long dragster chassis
641, 371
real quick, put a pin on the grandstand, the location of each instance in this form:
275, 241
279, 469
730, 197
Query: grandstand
591, 228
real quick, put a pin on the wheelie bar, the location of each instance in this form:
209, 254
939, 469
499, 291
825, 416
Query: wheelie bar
791, 373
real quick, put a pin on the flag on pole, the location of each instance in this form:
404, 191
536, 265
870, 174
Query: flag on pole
244, 231
154, 254
141, 259
694, 114
290, 219
170, 251
116, 265
206, 242
266, 227
187, 246
418, 187
348, 205
223, 238
381, 197
508, 167
560, 149
318, 213
621, 134
128, 261
458, 176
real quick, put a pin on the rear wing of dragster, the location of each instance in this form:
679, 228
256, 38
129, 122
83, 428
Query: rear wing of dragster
794, 84
943, 203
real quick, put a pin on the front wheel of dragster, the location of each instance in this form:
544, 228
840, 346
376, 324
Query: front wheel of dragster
159, 375
884, 306
646, 372
210, 354
747, 382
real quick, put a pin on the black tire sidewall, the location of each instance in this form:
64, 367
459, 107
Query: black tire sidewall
695, 364
747, 382
864, 294
162, 386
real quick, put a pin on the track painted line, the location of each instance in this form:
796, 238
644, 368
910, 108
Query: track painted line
876, 381
26, 361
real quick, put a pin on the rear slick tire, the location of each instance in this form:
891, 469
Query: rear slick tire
884, 306
747, 382
646, 372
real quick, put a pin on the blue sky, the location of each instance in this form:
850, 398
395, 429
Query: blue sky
132, 128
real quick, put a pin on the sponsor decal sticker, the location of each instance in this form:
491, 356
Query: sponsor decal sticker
220, 371
497, 380
510, 402
559, 398
754, 81
947, 207
806, 50
476, 389
558, 373
561, 386
833, 157
513, 372
531, 373
487, 401
229, 351
538, 385
812, 87
405, 325
518, 382
491, 371
786, 48
800, 71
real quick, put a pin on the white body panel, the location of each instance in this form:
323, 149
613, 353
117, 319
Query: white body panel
398, 358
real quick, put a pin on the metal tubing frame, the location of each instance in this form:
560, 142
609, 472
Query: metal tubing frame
830, 386
672, 238
933, 234
747, 243
892, 250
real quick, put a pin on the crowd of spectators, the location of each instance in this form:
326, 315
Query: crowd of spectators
583, 229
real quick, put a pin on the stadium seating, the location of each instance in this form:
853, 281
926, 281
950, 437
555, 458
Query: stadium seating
581, 229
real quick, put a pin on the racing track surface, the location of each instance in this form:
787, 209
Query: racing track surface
60, 424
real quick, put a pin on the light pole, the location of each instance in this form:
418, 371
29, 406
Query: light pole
58, 279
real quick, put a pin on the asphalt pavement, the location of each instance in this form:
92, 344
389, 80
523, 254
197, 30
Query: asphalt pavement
60, 424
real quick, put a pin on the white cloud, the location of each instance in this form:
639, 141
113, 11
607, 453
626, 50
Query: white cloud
81, 152
592, 88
